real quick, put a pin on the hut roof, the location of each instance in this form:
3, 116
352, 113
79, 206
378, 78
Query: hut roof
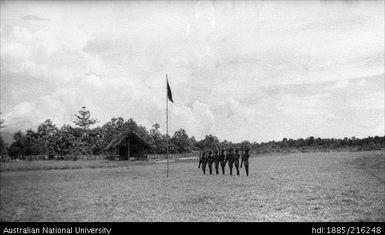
118, 139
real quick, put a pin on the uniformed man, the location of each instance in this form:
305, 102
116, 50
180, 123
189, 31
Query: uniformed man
236, 160
210, 160
216, 161
203, 161
245, 160
222, 160
230, 159
200, 159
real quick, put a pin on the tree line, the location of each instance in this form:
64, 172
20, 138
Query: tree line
81, 139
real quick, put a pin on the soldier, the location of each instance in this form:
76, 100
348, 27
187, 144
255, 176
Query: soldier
200, 159
230, 159
216, 161
222, 160
245, 159
210, 160
203, 161
236, 160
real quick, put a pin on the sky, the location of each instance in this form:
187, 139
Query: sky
251, 70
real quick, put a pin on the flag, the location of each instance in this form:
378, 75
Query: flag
169, 94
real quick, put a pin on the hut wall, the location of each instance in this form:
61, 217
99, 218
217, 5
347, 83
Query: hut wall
139, 154
131, 149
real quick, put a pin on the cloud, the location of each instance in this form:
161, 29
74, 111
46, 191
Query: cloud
374, 101
239, 70
33, 17
198, 119
340, 84
17, 116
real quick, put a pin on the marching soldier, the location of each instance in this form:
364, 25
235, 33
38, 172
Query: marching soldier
210, 160
236, 160
230, 159
203, 161
216, 161
222, 160
245, 159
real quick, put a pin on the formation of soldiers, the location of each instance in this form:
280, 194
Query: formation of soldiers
207, 158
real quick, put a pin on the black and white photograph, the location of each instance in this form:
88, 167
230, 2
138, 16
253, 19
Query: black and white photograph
192, 111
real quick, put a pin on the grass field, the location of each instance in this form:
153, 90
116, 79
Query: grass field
341, 186
61, 165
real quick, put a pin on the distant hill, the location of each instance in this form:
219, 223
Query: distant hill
7, 137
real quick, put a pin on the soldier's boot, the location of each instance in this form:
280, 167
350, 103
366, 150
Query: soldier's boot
211, 170
247, 170
237, 170
231, 171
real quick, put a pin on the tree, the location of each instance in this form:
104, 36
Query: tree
3, 147
181, 141
47, 131
18, 147
245, 145
310, 141
66, 137
96, 136
2, 121
131, 126
84, 121
209, 142
158, 141
112, 128
34, 144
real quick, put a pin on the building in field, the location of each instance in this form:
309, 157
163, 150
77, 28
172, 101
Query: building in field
129, 146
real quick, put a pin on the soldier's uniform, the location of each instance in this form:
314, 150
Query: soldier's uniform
236, 160
222, 160
216, 161
210, 160
203, 162
230, 159
245, 160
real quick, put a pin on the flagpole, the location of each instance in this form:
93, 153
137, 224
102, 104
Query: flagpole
167, 124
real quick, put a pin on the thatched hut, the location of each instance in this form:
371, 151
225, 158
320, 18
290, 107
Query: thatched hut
129, 146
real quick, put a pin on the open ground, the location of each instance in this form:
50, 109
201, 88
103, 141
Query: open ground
337, 186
